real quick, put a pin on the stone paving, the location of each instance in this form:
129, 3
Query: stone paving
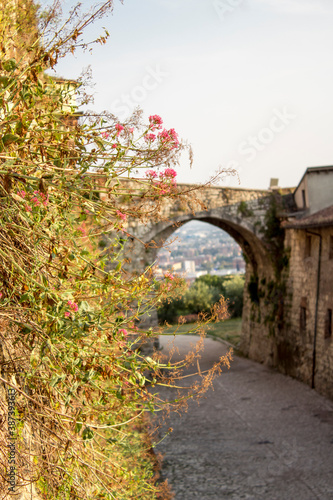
257, 435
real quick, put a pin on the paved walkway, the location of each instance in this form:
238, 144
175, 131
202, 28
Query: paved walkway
258, 435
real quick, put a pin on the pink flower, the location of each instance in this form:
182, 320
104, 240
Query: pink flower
28, 208
151, 173
114, 146
67, 314
169, 137
163, 188
121, 215
36, 201
82, 230
123, 331
131, 130
168, 172
73, 306
21, 193
150, 137
169, 275
119, 128
155, 121
1, 294
38, 197
105, 135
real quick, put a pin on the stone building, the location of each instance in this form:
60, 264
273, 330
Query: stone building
301, 294
305, 348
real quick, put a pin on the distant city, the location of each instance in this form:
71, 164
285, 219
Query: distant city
199, 248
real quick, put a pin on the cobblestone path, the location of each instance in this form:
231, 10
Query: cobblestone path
257, 435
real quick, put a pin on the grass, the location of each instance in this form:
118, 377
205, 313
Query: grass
229, 330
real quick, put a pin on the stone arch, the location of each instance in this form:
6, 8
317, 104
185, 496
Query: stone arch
240, 229
259, 268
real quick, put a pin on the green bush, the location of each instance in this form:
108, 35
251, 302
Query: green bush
234, 288
202, 295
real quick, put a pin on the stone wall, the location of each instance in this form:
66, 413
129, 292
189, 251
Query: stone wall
294, 350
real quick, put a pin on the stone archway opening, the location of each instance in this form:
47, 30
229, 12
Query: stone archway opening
212, 264
255, 254
245, 227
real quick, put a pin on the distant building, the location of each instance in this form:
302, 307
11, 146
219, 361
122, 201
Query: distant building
239, 264
189, 266
177, 266
315, 190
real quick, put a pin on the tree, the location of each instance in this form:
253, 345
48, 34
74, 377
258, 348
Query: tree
234, 289
69, 313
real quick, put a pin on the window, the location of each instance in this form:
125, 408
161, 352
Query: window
328, 324
303, 198
330, 249
302, 319
307, 252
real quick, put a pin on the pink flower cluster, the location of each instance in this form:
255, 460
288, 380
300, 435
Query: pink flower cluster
105, 135
121, 215
168, 173
165, 188
1, 294
150, 137
167, 180
82, 229
123, 331
169, 276
169, 138
155, 122
119, 128
151, 174
38, 199
73, 306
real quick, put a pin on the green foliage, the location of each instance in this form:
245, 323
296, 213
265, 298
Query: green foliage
234, 289
274, 292
202, 295
70, 310
198, 298
244, 210
229, 330
273, 235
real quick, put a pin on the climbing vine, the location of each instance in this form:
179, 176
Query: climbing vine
272, 292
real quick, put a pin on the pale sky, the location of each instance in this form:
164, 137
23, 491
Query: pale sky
247, 82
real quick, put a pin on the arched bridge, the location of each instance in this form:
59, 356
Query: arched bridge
243, 213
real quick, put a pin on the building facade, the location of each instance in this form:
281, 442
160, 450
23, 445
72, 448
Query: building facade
301, 343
